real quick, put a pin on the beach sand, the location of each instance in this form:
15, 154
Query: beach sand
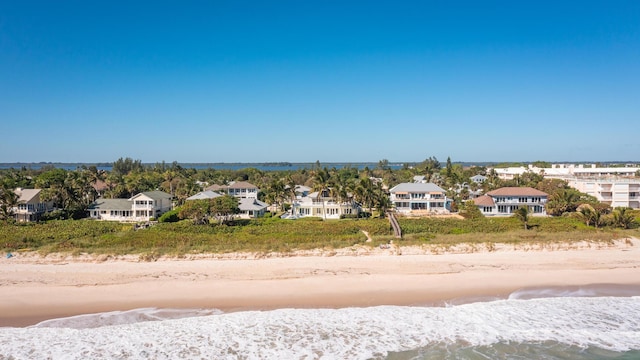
33, 288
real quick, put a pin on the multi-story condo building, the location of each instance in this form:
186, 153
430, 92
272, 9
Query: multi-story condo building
505, 201
613, 191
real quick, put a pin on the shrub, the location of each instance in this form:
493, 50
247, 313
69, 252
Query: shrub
169, 216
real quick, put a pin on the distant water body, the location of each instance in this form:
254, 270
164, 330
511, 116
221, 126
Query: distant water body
201, 166
519, 327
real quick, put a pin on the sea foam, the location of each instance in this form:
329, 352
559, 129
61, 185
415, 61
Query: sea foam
611, 323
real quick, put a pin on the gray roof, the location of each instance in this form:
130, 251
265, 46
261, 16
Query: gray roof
111, 204
416, 188
251, 204
155, 195
203, 195
26, 195
241, 185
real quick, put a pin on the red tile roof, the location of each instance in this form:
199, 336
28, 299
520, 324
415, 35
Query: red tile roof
484, 200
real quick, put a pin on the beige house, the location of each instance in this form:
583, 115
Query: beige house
30, 206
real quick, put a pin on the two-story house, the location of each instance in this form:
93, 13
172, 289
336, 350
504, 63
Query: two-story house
322, 204
250, 207
505, 201
419, 197
141, 207
239, 189
30, 206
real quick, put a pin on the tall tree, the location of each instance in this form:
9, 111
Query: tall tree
321, 181
8, 201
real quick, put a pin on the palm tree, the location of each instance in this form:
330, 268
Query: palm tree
321, 181
8, 201
522, 213
623, 218
589, 215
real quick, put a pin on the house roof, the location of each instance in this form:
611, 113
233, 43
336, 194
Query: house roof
100, 185
517, 191
232, 185
484, 200
419, 178
26, 195
216, 187
111, 204
251, 204
203, 195
416, 188
155, 195
478, 177
302, 188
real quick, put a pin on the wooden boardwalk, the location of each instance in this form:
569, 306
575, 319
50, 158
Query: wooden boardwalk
397, 232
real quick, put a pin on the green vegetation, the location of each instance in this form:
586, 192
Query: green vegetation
207, 226
277, 235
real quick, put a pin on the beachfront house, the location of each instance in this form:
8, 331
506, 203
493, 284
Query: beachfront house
30, 206
419, 198
250, 207
143, 206
505, 201
322, 204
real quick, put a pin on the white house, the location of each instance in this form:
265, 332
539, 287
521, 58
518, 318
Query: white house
140, 207
505, 201
419, 197
249, 207
478, 179
613, 191
30, 206
239, 189
321, 204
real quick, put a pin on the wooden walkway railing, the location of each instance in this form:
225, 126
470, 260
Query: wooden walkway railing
397, 232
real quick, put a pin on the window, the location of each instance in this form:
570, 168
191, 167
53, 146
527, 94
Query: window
522, 199
487, 209
502, 208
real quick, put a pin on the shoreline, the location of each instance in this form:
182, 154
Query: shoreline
35, 289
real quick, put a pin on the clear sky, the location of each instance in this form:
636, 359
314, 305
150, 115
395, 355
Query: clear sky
335, 81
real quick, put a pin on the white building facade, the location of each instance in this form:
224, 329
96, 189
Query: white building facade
613, 191
505, 201
140, 207
419, 198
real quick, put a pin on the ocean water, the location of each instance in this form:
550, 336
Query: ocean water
519, 327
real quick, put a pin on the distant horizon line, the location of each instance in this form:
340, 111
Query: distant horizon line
308, 162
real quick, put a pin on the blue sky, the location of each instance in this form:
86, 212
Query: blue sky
335, 81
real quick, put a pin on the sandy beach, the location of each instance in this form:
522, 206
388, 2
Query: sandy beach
33, 288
